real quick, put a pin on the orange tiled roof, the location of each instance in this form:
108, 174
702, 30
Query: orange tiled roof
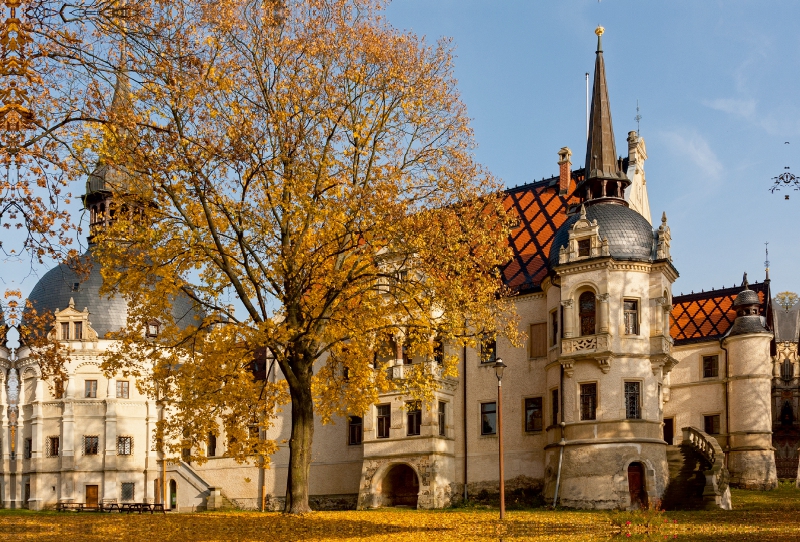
708, 315
541, 210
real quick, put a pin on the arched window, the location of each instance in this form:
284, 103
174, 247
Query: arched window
586, 305
787, 371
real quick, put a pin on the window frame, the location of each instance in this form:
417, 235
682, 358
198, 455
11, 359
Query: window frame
715, 368
413, 418
383, 421
527, 410
489, 345
358, 427
555, 327
625, 395
65, 331
132, 486
541, 332
636, 313
124, 445
588, 394
555, 406
442, 418
211, 451
484, 411
707, 417
53, 450
27, 448
90, 388
584, 247
593, 313
124, 387
77, 331
91, 442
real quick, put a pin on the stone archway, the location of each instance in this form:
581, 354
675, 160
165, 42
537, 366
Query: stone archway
400, 486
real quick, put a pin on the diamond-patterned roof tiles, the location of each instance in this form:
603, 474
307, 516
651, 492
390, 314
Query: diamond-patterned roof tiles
541, 210
708, 315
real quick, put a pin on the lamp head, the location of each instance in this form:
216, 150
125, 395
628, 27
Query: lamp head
499, 367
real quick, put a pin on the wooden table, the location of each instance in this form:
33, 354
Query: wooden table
70, 506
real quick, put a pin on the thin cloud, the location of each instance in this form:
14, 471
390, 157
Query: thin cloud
692, 148
734, 106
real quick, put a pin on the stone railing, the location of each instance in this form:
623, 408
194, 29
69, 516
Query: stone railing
716, 493
587, 343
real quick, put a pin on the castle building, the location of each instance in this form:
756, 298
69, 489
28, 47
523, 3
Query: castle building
619, 378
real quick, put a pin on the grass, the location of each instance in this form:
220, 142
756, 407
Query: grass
773, 515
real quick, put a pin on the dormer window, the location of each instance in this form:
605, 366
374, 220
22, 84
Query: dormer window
78, 328
64, 331
584, 248
76, 286
153, 328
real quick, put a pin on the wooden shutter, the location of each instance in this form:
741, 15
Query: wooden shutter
538, 340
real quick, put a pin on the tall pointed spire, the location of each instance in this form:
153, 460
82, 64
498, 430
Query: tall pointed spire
602, 165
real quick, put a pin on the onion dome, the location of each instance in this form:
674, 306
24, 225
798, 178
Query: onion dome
748, 305
60, 285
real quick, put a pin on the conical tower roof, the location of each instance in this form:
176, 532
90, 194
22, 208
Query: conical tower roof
601, 152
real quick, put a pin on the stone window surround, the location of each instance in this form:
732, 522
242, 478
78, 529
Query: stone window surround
525, 414
579, 395
702, 357
480, 418
642, 410
638, 301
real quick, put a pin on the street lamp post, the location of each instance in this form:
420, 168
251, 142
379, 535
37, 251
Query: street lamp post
499, 367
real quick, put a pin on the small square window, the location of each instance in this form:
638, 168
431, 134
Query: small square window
91, 389
533, 414
710, 366
488, 418
124, 445
355, 427
91, 445
127, 491
711, 424
122, 389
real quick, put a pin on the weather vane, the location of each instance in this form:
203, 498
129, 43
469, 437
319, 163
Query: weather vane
786, 180
637, 118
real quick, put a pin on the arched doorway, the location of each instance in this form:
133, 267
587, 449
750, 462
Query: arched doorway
636, 485
400, 487
173, 494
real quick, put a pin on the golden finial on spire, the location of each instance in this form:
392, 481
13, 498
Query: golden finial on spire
599, 30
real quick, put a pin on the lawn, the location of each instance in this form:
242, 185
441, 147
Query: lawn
773, 515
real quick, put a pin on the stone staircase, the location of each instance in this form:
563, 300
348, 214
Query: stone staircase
213, 499
697, 477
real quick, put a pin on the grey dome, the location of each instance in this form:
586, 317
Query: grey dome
746, 297
630, 236
55, 289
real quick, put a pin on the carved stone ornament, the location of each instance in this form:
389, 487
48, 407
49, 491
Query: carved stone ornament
604, 363
583, 230
664, 238
603, 298
567, 303
569, 367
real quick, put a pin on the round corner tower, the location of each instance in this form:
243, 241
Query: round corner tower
751, 457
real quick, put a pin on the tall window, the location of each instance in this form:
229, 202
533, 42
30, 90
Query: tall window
554, 328
711, 424
710, 366
633, 403
586, 305
122, 389
78, 327
584, 247
53, 446
211, 445
488, 349
442, 418
124, 445
538, 340
631, 310
354, 430
414, 418
28, 451
64, 331
787, 371
90, 389
438, 351
488, 418
533, 414
554, 407
589, 401
91, 444
384, 420
407, 360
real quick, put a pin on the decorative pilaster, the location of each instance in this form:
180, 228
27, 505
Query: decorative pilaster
603, 300
568, 318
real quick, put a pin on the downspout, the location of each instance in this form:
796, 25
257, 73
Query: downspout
725, 400
464, 419
563, 441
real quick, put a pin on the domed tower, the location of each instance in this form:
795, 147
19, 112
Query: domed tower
751, 457
610, 284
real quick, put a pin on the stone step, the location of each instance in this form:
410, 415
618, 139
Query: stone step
686, 479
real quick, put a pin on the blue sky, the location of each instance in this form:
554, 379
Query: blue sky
717, 83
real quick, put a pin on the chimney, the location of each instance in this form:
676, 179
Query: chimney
564, 170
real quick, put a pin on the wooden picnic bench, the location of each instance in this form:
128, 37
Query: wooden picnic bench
140, 507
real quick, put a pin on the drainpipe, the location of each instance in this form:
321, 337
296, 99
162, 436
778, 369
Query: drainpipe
464, 419
725, 400
563, 441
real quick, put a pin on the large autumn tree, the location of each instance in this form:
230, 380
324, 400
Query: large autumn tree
317, 164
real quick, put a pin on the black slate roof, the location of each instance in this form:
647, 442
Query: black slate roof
786, 323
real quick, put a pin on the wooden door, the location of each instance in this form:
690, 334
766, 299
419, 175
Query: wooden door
636, 484
669, 430
91, 497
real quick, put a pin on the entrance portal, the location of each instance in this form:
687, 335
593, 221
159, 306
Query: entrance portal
91, 497
636, 485
400, 487
669, 430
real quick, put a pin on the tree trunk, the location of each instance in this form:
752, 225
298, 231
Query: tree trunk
300, 449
